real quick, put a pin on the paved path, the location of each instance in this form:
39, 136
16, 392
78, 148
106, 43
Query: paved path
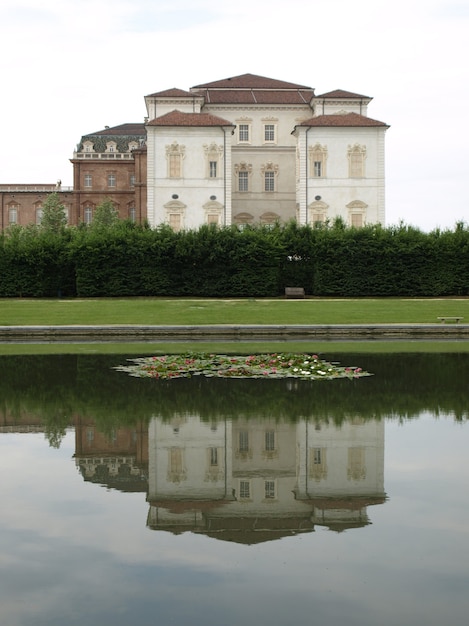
114, 333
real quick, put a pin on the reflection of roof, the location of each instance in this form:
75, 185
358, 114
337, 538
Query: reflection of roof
253, 530
245, 530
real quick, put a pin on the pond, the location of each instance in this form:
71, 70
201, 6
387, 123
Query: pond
260, 502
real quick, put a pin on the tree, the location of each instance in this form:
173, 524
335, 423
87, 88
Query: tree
53, 218
105, 214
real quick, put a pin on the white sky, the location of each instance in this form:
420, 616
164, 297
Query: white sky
71, 67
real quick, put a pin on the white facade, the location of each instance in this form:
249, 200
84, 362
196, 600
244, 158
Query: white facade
250, 149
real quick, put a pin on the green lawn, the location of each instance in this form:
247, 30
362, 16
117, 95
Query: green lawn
162, 311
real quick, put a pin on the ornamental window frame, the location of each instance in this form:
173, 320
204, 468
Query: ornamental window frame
357, 210
317, 213
175, 154
317, 161
213, 213
270, 133
175, 214
243, 173
213, 156
269, 172
244, 130
356, 160
241, 220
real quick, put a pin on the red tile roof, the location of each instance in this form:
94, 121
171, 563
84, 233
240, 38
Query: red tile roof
172, 93
255, 96
340, 94
249, 89
346, 119
249, 81
178, 118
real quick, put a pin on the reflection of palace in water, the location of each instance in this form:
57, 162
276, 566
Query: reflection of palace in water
247, 481
255, 480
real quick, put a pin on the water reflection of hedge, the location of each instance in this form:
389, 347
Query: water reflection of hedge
57, 388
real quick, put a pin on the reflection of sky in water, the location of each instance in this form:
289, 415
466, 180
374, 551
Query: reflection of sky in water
72, 552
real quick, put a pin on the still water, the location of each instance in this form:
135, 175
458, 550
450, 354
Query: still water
258, 502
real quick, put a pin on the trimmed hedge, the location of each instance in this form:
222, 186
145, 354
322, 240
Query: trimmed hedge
130, 260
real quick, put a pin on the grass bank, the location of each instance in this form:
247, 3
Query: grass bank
181, 311
328, 348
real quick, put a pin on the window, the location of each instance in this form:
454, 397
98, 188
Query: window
174, 157
270, 173
356, 468
87, 180
269, 181
39, 214
318, 157
213, 218
243, 181
269, 440
357, 213
269, 489
13, 214
88, 215
176, 471
213, 456
243, 171
175, 166
356, 220
317, 464
132, 214
213, 154
243, 441
175, 221
244, 490
111, 180
132, 180
356, 156
243, 133
269, 133
213, 169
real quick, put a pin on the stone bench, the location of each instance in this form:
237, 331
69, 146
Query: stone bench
450, 319
294, 292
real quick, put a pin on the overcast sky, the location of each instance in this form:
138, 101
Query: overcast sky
71, 67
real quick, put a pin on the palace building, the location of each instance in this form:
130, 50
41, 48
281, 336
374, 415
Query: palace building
242, 150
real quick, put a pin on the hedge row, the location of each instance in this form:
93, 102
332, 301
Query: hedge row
129, 260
